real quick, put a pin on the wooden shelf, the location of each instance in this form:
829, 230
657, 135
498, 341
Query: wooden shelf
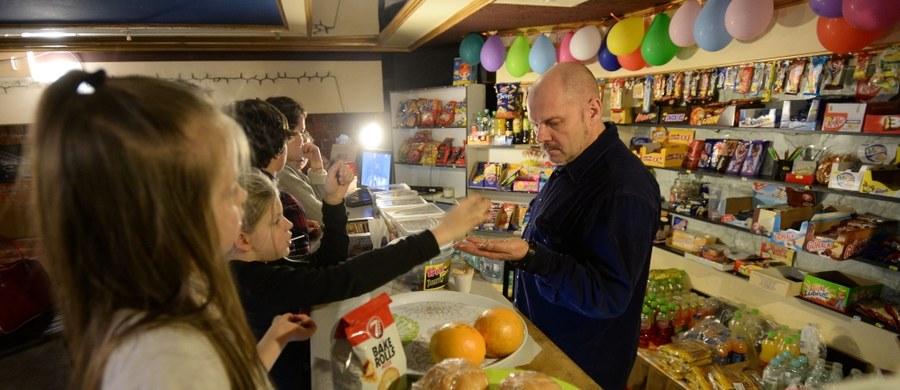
759, 129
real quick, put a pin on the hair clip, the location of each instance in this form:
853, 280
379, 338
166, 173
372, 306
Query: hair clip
91, 82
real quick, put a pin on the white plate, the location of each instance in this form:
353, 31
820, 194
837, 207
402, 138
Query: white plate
429, 310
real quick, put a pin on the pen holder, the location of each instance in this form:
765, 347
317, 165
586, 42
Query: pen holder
782, 167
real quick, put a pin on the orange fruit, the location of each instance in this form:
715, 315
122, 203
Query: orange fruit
457, 340
502, 329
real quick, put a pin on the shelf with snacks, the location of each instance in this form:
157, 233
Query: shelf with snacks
759, 129
770, 180
429, 134
530, 193
488, 146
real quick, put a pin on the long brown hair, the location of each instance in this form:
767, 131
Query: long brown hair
123, 175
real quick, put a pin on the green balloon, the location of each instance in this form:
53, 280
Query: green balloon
517, 57
657, 47
470, 49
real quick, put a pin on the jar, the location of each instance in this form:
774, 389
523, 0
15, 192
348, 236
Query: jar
430, 275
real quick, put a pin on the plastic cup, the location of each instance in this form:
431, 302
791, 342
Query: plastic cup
462, 279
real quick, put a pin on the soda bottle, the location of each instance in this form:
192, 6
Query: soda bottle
646, 328
664, 329
769, 348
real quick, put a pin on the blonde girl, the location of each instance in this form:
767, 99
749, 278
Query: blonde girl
136, 201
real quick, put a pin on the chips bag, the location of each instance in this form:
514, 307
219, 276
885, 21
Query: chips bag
367, 351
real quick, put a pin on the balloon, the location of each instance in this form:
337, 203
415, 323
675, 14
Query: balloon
517, 57
747, 19
492, 54
826, 8
633, 61
681, 29
470, 49
607, 60
871, 14
840, 37
657, 48
542, 55
585, 43
564, 54
625, 36
709, 30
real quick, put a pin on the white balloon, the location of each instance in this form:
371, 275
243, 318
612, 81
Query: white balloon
585, 43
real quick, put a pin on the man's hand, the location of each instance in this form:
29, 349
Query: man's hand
509, 249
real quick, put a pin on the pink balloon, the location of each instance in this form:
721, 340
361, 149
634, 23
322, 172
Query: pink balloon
747, 19
871, 14
564, 54
681, 29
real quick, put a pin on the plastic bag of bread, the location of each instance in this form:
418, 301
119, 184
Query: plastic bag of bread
528, 380
453, 374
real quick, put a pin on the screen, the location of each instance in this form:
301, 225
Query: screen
376, 169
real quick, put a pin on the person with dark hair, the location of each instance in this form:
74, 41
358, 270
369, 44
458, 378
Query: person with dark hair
307, 187
268, 134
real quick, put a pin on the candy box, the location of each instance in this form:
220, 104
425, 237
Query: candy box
801, 114
844, 117
782, 280
621, 116
714, 114
670, 156
838, 290
844, 177
759, 117
774, 252
881, 180
671, 114
690, 241
845, 238
768, 220
749, 266
647, 117
882, 117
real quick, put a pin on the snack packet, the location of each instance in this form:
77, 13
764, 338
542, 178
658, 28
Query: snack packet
367, 352
507, 100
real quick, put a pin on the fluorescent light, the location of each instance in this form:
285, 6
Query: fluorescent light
47, 67
47, 34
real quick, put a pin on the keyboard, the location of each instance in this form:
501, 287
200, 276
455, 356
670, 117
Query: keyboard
360, 197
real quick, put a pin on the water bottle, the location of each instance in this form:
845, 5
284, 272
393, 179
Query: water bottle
794, 372
837, 373
818, 377
773, 374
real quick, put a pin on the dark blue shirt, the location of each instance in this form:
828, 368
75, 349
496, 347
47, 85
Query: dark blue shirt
593, 223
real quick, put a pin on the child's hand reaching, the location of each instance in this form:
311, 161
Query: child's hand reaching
284, 329
339, 179
471, 212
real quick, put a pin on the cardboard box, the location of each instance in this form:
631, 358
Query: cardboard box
647, 117
837, 290
670, 156
841, 238
759, 117
680, 136
748, 267
801, 114
815, 242
843, 177
784, 281
881, 180
622, 116
847, 117
671, 114
690, 241
880, 153
882, 117
768, 220
714, 115
728, 265
738, 204
777, 253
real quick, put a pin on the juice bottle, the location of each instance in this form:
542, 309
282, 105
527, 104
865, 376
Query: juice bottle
769, 348
738, 349
681, 318
664, 328
722, 354
646, 328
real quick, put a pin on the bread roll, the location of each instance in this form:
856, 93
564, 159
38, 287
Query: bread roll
453, 374
528, 380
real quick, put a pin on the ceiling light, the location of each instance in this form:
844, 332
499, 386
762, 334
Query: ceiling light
47, 34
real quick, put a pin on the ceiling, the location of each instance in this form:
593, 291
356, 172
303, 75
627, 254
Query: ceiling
280, 25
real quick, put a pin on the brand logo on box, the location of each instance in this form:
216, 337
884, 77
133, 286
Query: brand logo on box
834, 121
677, 117
818, 245
375, 328
648, 117
784, 236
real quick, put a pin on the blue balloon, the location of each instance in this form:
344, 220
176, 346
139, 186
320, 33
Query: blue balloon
542, 55
470, 49
709, 30
493, 54
608, 60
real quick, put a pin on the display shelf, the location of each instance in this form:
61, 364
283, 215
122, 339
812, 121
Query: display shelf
854, 315
502, 190
667, 207
431, 128
769, 180
651, 357
525, 146
758, 129
432, 166
876, 263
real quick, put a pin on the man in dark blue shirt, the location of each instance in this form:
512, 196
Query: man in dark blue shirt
583, 262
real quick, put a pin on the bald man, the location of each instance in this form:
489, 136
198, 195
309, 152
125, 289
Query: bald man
582, 262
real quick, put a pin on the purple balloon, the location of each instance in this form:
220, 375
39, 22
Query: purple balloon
826, 8
493, 53
608, 60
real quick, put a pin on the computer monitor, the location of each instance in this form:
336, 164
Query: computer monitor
375, 169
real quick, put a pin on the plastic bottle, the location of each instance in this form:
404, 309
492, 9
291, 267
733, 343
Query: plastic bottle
736, 326
753, 324
769, 348
794, 346
818, 376
773, 374
795, 372
664, 330
739, 349
722, 355
646, 328
837, 373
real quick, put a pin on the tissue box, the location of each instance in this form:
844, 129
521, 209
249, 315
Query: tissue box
837, 290
784, 281
759, 117
846, 117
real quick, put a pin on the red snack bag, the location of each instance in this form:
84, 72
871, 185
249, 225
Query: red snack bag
368, 339
448, 114
429, 111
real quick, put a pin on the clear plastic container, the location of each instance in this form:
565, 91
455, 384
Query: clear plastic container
430, 275
408, 227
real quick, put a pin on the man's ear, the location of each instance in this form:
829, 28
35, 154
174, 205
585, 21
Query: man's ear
242, 242
595, 110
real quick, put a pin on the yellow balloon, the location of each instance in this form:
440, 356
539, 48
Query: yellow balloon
625, 36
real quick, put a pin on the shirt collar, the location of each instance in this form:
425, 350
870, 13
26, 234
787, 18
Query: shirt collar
590, 156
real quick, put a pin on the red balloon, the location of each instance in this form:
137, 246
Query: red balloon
633, 61
840, 37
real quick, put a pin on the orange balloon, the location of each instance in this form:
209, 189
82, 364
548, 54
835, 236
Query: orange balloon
841, 37
633, 61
